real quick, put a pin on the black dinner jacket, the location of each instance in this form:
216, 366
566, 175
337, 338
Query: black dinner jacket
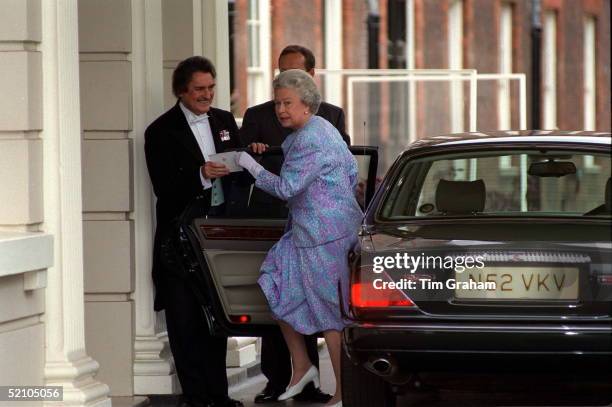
174, 160
261, 125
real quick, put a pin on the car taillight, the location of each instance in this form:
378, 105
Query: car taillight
240, 319
367, 292
605, 279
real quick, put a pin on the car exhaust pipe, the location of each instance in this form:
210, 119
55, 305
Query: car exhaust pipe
381, 366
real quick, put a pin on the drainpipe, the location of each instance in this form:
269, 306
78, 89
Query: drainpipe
536, 64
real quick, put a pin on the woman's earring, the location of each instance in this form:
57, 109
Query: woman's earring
306, 112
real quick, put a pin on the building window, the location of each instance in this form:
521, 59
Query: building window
455, 61
549, 68
258, 70
505, 67
396, 31
590, 86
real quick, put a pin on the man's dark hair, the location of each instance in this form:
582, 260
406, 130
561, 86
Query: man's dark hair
309, 58
185, 70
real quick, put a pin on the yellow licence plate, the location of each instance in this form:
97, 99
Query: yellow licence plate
538, 283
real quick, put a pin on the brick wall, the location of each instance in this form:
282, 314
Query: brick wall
431, 34
480, 51
521, 53
570, 31
302, 22
297, 22
355, 34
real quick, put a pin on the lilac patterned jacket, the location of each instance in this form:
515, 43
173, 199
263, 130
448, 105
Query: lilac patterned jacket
318, 180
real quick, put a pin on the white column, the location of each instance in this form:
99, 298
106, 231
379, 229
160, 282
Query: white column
241, 351
67, 363
265, 48
211, 39
333, 51
152, 373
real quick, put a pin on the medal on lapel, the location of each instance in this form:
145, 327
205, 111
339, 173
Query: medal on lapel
225, 135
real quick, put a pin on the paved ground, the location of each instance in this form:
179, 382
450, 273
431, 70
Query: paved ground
247, 390
459, 390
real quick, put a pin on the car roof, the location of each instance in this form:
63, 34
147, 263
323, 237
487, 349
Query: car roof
514, 136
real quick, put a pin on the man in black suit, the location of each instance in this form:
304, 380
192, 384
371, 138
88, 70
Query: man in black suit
177, 146
261, 128
260, 124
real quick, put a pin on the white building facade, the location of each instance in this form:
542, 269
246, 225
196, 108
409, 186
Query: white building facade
80, 81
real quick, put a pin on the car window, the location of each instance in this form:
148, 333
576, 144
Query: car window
541, 183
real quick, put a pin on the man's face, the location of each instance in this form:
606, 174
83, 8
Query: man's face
200, 92
293, 60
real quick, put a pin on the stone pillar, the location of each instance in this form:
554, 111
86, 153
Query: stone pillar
211, 39
241, 351
153, 374
67, 363
333, 51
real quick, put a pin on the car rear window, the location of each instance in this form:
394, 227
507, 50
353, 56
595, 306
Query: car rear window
503, 183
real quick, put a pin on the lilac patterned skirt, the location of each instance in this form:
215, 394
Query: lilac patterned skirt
301, 283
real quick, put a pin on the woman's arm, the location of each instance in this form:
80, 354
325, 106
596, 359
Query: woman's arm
302, 166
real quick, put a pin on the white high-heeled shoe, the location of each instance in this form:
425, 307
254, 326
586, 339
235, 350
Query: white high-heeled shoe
311, 375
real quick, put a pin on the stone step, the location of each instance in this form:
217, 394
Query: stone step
136, 401
237, 375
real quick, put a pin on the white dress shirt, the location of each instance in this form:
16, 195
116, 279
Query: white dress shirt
200, 128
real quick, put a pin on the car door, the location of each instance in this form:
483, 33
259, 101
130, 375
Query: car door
222, 255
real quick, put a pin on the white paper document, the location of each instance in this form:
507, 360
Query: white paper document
227, 158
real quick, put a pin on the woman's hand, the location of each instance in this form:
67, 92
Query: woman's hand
247, 162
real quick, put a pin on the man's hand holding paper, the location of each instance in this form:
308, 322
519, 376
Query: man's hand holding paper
228, 159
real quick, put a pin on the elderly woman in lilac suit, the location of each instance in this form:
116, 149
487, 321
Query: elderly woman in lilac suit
302, 272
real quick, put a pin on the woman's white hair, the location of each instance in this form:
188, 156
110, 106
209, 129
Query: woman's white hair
303, 84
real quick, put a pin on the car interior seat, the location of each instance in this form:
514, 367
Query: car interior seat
460, 197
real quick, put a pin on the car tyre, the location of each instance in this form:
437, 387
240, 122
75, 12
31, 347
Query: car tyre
361, 388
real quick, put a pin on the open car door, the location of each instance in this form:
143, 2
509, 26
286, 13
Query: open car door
222, 255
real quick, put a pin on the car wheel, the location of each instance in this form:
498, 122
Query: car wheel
361, 388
